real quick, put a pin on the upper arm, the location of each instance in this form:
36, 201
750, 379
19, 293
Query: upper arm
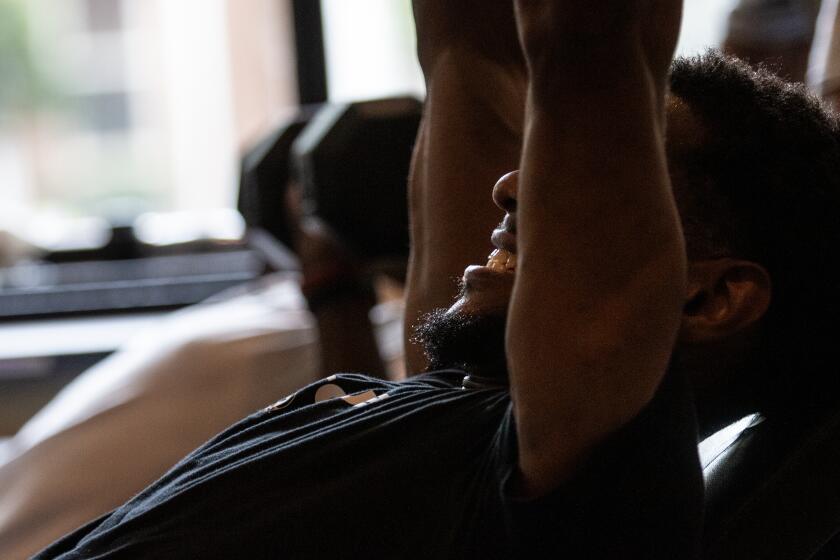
600, 274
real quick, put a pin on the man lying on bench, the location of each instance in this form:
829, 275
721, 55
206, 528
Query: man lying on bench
556, 420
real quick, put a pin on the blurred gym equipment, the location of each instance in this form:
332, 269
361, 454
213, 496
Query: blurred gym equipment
352, 162
127, 275
264, 175
772, 491
66, 312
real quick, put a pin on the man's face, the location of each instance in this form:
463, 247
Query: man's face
486, 288
471, 334
473, 327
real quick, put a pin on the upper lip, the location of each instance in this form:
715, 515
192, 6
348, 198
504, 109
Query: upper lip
504, 236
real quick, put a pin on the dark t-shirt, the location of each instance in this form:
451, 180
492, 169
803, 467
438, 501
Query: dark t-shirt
357, 467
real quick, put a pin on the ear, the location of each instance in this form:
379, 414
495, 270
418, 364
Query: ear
725, 297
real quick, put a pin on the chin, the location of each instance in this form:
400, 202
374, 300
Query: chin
488, 299
484, 292
465, 338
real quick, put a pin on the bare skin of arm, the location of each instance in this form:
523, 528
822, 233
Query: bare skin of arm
471, 134
601, 268
346, 336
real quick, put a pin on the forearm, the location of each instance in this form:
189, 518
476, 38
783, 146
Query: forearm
346, 336
340, 296
601, 264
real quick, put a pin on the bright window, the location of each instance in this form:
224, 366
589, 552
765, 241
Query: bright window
114, 108
369, 47
704, 25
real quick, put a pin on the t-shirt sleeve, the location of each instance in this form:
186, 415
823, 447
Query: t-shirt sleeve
640, 495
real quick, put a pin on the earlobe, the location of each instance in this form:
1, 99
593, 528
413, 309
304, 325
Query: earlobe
725, 297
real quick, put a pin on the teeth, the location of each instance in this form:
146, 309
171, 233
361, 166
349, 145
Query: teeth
497, 260
501, 261
511, 261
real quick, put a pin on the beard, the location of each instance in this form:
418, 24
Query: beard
454, 340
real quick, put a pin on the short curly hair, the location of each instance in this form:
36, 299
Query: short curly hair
764, 185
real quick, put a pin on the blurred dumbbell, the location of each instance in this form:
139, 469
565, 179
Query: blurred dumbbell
264, 175
352, 161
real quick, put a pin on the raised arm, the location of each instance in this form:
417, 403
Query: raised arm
471, 134
600, 275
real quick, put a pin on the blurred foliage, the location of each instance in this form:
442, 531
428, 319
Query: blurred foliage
22, 86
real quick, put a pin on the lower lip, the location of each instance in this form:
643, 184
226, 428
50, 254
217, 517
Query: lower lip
476, 274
